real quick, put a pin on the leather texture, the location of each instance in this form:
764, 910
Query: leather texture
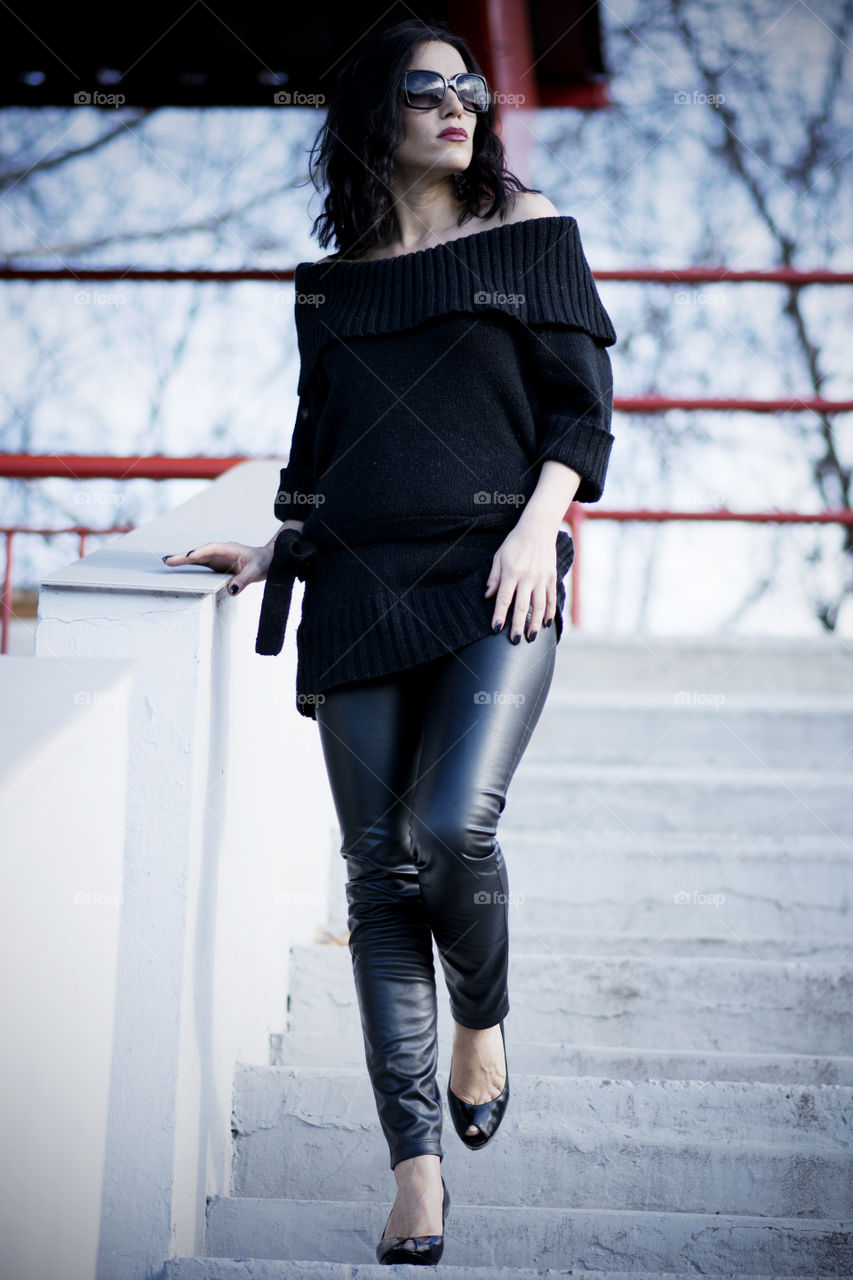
419, 764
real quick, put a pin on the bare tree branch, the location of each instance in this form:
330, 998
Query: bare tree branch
211, 224
46, 164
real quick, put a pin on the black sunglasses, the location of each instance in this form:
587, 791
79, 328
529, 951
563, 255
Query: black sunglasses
424, 90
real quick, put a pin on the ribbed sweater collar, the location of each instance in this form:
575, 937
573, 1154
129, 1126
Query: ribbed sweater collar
534, 270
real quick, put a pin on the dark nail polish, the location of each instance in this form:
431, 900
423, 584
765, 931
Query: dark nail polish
189, 553
548, 621
165, 558
532, 636
233, 588
516, 639
497, 626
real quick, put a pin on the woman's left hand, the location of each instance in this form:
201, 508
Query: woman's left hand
525, 566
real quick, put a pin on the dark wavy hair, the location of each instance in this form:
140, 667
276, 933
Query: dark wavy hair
362, 130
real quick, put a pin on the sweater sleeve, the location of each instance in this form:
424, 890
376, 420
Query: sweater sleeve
572, 384
296, 483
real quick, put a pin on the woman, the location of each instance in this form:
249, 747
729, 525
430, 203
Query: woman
455, 396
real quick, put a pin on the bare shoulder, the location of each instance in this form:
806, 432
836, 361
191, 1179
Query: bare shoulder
530, 204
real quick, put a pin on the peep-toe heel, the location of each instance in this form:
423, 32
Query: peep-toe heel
428, 1249
485, 1115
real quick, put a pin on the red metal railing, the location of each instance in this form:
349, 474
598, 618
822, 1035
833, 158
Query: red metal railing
9, 532
93, 466
577, 515
160, 467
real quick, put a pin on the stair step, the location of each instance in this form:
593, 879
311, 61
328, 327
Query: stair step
729, 802
675, 1002
675, 887
671, 1146
815, 706
290, 1269
495, 1237
723, 731
564, 879
697, 910
672, 664
816, 946
548, 1058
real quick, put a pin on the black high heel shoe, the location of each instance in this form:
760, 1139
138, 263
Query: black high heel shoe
427, 1250
485, 1115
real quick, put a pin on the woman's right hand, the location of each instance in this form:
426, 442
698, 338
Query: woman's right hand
248, 564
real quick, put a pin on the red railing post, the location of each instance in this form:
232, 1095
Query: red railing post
9, 531
7, 593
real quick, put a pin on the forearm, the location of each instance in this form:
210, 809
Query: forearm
555, 489
286, 524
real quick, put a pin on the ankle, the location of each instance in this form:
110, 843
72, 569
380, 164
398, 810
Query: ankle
470, 1034
477, 1046
418, 1171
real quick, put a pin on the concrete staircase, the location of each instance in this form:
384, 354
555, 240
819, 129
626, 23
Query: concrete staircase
679, 844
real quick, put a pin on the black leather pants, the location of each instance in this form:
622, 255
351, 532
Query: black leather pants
419, 763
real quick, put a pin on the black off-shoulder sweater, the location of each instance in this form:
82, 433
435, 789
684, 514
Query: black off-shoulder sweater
432, 387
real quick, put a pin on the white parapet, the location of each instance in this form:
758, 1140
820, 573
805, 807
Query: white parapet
230, 827
63, 759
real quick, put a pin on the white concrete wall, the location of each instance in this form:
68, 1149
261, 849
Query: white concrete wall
230, 827
63, 756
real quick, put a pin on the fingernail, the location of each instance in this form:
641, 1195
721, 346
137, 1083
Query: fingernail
516, 639
165, 558
532, 636
497, 626
486, 592
548, 621
189, 553
233, 588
